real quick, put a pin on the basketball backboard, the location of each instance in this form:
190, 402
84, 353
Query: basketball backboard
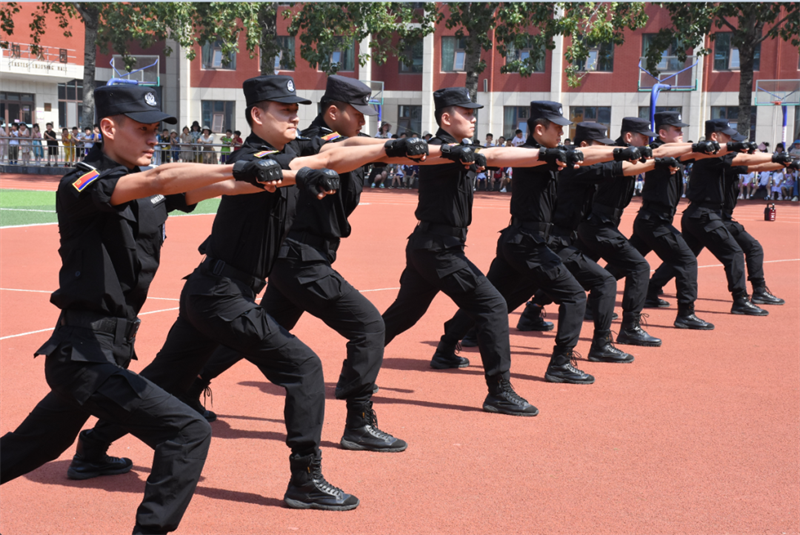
679, 75
144, 72
778, 93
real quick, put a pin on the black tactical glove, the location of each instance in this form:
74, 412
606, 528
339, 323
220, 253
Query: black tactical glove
480, 160
738, 146
316, 181
257, 172
781, 158
752, 148
705, 147
795, 165
413, 148
551, 156
574, 156
458, 153
645, 152
666, 163
628, 154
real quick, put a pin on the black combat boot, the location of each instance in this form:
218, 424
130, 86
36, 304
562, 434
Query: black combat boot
654, 301
90, 459
762, 296
309, 490
470, 339
503, 399
361, 431
562, 369
532, 319
445, 356
603, 349
192, 398
687, 320
743, 306
632, 334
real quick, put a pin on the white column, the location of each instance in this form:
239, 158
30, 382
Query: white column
697, 114
365, 75
428, 50
171, 94
184, 88
557, 70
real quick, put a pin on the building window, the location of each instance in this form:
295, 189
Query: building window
731, 113
218, 114
601, 59
644, 111
409, 119
284, 61
669, 58
595, 114
414, 53
19, 107
70, 104
212, 57
515, 118
522, 54
344, 57
454, 54
726, 56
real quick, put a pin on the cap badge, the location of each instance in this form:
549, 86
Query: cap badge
150, 99
466, 94
729, 125
560, 111
679, 117
290, 86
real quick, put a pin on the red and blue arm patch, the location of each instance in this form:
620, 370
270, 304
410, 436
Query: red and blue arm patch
331, 136
263, 153
85, 179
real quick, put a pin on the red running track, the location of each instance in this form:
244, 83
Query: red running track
699, 436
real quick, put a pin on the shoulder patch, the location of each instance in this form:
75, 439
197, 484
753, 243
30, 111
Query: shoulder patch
331, 136
261, 154
85, 179
157, 199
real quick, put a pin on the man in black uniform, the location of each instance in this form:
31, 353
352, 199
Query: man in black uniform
653, 230
600, 238
111, 219
217, 305
703, 224
303, 278
753, 252
435, 259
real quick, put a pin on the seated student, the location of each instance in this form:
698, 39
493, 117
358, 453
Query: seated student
765, 181
397, 179
746, 185
480, 179
775, 188
787, 188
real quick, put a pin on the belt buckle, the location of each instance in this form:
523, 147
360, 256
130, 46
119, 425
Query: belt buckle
134, 328
217, 267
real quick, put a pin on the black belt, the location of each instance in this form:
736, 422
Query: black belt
607, 211
562, 232
121, 328
318, 242
536, 226
708, 204
443, 230
221, 269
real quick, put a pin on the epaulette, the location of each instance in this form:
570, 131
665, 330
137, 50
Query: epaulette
89, 175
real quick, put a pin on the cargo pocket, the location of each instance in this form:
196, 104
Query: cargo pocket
459, 282
123, 389
717, 232
327, 289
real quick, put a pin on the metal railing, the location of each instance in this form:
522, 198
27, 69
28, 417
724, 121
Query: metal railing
35, 152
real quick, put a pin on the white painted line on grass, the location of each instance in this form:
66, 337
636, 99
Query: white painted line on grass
27, 210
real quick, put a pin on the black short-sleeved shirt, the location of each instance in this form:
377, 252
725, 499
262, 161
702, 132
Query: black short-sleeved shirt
662, 189
327, 217
109, 254
445, 191
616, 194
248, 229
533, 196
576, 189
731, 187
707, 179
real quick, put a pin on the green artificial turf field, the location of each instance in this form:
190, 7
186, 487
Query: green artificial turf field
24, 207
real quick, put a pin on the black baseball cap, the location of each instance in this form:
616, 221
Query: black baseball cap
547, 109
350, 91
588, 131
453, 96
669, 118
140, 103
637, 126
719, 125
739, 137
278, 88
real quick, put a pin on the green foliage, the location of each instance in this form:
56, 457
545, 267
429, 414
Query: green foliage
7, 12
327, 27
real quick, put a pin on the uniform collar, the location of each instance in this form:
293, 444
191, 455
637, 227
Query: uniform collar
100, 161
255, 142
444, 136
319, 122
620, 142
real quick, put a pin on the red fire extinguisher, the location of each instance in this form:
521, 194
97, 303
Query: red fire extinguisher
769, 212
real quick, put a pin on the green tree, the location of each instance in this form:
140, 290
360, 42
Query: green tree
749, 24
327, 27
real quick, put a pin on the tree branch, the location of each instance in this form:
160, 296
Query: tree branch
728, 24
774, 29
